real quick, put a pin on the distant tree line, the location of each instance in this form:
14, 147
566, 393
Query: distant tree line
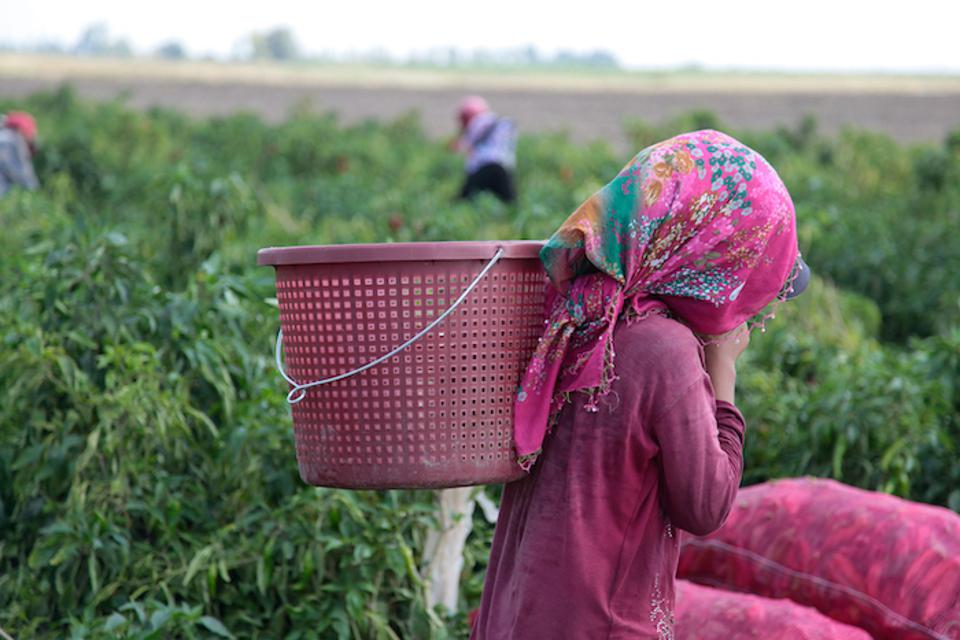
279, 44
527, 56
94, 41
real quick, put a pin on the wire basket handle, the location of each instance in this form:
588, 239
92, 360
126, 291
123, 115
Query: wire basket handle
299, 390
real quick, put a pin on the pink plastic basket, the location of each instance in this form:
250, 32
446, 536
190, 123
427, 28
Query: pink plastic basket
440, 412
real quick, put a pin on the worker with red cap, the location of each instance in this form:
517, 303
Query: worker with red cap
489, 143
18, 137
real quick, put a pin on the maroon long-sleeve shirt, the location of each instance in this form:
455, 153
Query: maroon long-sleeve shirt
585, 547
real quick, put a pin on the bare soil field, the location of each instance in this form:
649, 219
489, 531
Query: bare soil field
587, 106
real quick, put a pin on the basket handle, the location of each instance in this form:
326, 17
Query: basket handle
299, 390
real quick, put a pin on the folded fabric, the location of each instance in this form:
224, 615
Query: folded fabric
886, 565
714, 614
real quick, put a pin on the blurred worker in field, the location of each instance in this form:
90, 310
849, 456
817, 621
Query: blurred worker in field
489, 143
18, 136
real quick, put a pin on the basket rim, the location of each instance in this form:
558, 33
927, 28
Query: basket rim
397, 252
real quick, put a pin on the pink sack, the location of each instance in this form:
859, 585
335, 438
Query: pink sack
881, 563
714, 614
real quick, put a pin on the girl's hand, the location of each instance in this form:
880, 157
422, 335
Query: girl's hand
720, 358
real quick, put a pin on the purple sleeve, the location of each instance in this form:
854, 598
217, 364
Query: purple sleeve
701, 458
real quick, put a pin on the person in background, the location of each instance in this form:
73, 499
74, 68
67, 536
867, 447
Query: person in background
489, 143
18, 136
625, 417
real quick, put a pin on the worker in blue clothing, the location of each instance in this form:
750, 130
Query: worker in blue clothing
489, 143
18, 136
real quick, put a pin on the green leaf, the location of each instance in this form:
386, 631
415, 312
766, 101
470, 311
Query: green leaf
159, 618
196, 564
953, 500
261, 576
215, 626
891, 452
114, 621
94, 575
222, 567
839, 449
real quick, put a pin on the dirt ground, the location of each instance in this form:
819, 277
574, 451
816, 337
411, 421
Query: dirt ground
586, 115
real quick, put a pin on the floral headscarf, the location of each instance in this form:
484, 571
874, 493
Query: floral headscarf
698, 224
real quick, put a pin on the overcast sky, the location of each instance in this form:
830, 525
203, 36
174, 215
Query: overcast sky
809, 35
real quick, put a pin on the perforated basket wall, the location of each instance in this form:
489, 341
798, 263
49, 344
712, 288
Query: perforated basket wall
438, 414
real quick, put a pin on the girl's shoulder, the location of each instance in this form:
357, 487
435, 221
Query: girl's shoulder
657, 345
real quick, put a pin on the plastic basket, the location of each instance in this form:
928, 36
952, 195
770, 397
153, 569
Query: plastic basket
440, 412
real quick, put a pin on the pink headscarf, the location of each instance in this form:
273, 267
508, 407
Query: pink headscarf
698, 225
24, 123
469, 108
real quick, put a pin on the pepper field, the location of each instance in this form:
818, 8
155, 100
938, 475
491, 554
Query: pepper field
148, 487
